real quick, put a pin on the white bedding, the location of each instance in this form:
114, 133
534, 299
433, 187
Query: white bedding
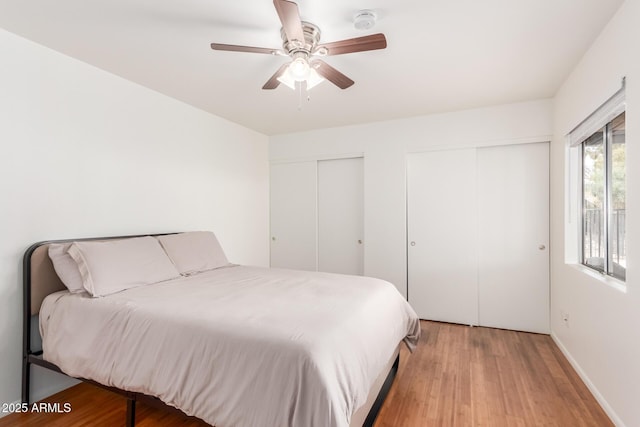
237, 346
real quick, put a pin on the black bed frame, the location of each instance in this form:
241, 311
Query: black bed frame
31, 357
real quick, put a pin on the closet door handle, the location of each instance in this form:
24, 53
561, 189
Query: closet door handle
542, 247
413, 243
359, 241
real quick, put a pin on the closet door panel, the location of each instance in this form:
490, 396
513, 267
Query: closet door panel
442, 231
513, 214
293, 200
341, 216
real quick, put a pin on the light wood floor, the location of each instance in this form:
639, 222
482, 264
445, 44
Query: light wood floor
462, 376
458, 376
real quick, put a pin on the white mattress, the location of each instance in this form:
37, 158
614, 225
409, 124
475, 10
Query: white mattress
237, 346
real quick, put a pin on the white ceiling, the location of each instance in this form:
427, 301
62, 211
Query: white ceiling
442, 55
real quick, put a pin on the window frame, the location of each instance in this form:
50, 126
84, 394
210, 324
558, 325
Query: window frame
607, 208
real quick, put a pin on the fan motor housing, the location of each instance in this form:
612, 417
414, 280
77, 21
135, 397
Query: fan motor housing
311, 40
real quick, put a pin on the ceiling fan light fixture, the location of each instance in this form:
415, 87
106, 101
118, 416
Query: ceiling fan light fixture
299, 69
313, 79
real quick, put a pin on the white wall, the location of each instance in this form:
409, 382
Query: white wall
86, 153
602, 338
385, 144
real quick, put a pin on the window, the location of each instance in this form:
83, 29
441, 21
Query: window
604, 199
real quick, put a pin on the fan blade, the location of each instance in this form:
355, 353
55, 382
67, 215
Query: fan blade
358, 44
236, 48
290, 19
273, 82
331, 74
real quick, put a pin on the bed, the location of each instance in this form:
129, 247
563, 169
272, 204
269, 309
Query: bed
233, 345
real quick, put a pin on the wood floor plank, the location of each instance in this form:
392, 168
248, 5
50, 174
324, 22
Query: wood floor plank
458, 376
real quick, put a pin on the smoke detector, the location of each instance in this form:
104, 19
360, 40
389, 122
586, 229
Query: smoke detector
364, 19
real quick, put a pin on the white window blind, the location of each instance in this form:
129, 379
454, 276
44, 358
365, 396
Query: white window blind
611, 108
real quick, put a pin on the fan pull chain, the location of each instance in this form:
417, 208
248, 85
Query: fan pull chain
299, 86
306, 91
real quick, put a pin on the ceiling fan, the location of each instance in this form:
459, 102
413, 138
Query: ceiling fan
300, 41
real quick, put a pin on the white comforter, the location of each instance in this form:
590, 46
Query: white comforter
237, 346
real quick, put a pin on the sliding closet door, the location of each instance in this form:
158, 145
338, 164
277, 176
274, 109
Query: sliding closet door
513, 260
442, 230
293, 215
341, 216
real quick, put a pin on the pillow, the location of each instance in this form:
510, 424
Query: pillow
66, 268
194, 251
112, 266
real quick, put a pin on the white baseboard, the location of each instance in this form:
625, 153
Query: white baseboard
50, 389
592, 388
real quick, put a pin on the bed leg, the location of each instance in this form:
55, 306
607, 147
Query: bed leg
131, 412
26, 376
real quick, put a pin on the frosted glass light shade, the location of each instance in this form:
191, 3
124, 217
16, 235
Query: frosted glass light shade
313, 79
299, 69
